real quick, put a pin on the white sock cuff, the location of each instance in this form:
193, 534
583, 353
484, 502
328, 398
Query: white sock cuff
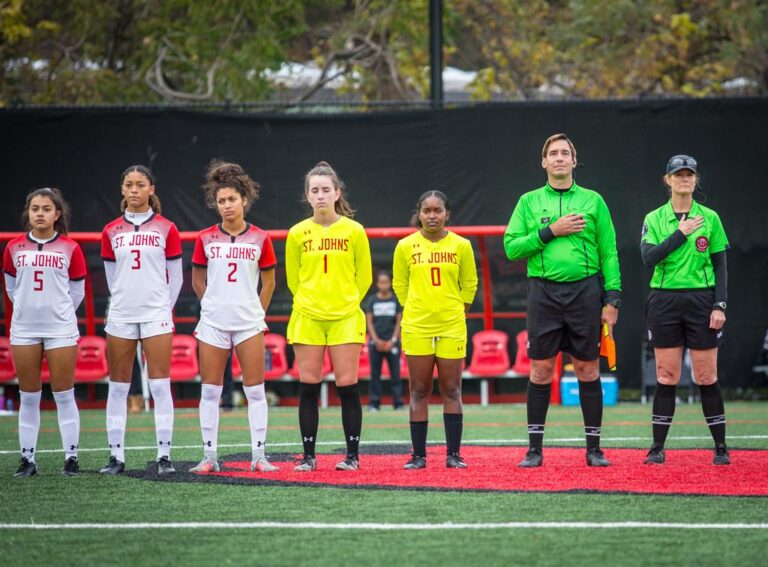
30, 398
160, 387
119, 389
211, 392
66, 396
255, 393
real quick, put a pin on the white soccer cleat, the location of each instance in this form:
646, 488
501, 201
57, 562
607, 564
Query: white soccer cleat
261, 464
207, 465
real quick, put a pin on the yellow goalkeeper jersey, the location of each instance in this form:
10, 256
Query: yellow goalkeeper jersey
433, 281
328, 268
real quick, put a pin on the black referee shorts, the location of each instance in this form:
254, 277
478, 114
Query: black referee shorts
680, 318
564, 317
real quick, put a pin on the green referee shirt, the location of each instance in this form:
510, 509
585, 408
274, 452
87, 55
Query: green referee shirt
565, 258
690, 265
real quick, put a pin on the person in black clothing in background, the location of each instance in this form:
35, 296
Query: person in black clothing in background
383, 314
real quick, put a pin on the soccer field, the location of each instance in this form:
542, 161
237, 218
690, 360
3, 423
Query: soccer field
686, 512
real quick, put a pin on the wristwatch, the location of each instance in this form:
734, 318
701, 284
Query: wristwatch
719, 305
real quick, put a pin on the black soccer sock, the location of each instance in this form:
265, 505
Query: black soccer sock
714, 411
537, 406
454, 426
419, 437
591, 400
351, 416
663, 411
309, 416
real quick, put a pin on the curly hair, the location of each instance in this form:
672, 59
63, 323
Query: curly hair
221, 175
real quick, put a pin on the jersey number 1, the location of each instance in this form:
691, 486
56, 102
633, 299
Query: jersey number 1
436, 275
325, 263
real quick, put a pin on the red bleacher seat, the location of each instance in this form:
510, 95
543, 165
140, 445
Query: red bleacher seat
91, 364
184, 362
489, 354
237, 371
7, 367
275, 344
364, 363
522, 362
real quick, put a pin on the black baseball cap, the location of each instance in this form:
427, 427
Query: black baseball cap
681, 161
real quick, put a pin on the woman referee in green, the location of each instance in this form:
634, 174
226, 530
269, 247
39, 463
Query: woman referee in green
684, 242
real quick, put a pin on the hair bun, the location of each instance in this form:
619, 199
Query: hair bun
224, 172
323, 164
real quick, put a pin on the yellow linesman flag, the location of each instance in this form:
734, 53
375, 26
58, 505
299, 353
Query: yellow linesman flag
608, 348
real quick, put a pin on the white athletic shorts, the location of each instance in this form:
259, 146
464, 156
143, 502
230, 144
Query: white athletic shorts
138, 330
49, 343
226, 339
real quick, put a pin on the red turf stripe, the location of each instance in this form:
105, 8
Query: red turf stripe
494, 468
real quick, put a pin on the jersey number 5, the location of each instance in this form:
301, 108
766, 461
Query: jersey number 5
38, 281
136, 259
232, 277
436, 275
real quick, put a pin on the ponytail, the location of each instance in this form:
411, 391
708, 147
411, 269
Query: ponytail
342, 206
154, 200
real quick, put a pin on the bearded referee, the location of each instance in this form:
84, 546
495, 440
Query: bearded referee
566, 234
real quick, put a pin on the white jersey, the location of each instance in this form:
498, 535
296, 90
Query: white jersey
231, 301
140, 291
42, 305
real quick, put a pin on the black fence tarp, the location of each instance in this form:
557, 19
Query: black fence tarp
483, 157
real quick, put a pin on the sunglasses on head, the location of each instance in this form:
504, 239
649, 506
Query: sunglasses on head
679, 162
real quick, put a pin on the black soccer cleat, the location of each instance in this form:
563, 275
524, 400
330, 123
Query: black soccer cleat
113, 466
306, 463
416, 462
655, 456
595, 458
722, 457
533, 458
26, 468
71, 467
164, 466
454, 461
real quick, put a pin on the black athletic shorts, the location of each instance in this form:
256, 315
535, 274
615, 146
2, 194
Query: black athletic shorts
680, 318
564, 317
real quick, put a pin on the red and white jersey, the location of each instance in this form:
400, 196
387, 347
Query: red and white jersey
231, 301
42, 306
140, 291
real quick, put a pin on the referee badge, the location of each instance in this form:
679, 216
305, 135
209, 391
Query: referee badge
644, 230
545, 220
702, 243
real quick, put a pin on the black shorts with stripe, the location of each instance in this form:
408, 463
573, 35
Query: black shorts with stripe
680, 318
564, 317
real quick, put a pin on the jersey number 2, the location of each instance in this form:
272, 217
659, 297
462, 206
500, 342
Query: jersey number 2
436, 275
232, 277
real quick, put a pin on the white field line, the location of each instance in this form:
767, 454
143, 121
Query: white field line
518, 441
385, 526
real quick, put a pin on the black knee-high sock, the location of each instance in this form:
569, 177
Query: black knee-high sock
537, 406
309, 416
419, 437
663, 411
454, 426
714, 411
351, 416
591, 400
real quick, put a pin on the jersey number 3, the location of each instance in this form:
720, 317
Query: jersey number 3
136, 259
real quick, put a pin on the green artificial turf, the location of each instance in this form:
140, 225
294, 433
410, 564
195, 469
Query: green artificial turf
50, 498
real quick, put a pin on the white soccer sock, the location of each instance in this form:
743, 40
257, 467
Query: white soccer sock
161, 393
69, 421
29, 423
117, 413
258, 410
209, 418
